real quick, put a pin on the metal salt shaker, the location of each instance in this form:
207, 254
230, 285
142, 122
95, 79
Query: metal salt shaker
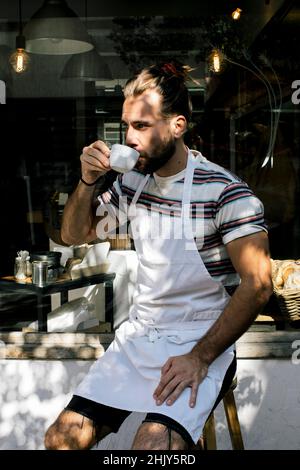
40, 273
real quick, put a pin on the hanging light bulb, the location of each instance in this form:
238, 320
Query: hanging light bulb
216, 61
19, 59
236, 14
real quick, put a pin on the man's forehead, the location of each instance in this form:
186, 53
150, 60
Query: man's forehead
148, 104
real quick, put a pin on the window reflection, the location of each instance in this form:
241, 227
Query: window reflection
47, 120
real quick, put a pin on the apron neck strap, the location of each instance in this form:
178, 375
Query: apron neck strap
140, 189
187, 188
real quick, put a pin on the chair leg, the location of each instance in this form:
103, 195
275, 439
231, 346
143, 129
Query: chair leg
233, 421
209, 434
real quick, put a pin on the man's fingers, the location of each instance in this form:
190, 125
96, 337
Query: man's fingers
177, 374
172, 397
90, 151
167, 391
164, 381
166, 366
92, 162
96, 159
99, 150
193, 396
102, 147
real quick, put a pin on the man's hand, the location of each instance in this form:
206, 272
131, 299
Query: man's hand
178, 373
94, 161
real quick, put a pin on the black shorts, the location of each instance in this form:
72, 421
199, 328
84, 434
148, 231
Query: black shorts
114, 417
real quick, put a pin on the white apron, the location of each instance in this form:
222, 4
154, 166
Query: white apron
175, 303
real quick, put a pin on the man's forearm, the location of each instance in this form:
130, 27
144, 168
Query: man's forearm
78, 217
242, 309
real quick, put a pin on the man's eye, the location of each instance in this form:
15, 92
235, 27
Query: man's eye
140, 125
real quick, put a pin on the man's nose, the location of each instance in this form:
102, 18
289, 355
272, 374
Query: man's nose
130, 137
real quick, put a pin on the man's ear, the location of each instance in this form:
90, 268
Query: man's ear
179, 126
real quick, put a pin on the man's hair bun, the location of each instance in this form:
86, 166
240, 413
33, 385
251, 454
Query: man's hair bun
172, 69
169, 80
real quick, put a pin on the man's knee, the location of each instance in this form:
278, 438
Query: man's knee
155, 436
70, 431
51, 440
60, 439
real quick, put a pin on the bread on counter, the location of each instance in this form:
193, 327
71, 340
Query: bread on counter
286, 274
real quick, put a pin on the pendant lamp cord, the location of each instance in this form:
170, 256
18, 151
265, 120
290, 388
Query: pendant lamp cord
20, 18
85, 13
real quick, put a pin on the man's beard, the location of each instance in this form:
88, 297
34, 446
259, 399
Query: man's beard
160, 155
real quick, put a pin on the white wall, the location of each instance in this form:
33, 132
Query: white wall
2, 92
32, 393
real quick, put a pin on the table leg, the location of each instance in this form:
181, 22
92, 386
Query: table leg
42, 313
64, 297
280, 325
109, 303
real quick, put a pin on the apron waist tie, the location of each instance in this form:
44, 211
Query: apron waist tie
153, 335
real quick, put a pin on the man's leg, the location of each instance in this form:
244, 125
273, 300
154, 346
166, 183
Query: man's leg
82, 424
72, 431
159, 432
155, 436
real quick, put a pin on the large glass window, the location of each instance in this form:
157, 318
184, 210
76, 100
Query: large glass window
245, 94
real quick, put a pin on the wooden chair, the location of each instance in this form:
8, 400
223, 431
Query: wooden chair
208, 441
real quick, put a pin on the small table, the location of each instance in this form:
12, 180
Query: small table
62, 286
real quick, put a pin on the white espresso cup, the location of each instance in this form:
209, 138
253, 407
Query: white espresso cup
122, 158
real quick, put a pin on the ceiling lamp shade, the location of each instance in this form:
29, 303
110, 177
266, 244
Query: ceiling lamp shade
55, 29
89, 67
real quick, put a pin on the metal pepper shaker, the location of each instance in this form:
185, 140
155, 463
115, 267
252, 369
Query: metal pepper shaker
40, 273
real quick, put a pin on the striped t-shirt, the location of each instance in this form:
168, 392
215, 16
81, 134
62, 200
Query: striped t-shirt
223, 204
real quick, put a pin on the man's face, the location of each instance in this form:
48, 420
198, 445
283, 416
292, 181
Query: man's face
147, 131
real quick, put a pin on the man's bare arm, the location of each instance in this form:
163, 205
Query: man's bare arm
79, 220
250, 257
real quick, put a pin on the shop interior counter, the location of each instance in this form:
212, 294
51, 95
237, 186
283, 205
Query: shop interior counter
62, 286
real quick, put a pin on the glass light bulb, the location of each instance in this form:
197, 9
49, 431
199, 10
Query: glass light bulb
236, 14
19, 60
216, 61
